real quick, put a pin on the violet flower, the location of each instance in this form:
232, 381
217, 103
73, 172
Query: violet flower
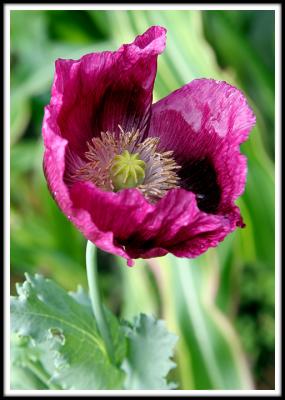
141, 179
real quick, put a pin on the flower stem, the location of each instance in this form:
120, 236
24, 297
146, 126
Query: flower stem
97, 307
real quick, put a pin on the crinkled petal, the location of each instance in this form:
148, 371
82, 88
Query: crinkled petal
54, 164
175, 224
122, 213
204, 123
103, 90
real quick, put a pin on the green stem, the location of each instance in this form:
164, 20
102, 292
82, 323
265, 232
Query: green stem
98, 311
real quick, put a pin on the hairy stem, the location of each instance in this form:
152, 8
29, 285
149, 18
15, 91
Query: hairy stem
97, 306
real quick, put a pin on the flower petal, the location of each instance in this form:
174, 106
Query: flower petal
175, 224
203, 123
102, 90
54, 164
121, 213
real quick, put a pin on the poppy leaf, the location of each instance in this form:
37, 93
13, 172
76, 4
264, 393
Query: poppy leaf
27, 372
150, 348
49, 315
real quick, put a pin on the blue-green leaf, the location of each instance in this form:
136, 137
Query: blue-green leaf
150, 348
47, 314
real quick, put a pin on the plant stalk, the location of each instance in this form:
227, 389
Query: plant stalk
97, 306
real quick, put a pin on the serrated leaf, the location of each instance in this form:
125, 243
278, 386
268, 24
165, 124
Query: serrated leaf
150, 347
22, 350
27, 370
116, 331
48, 314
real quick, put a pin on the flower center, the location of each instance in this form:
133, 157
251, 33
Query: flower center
127, 171
117, 161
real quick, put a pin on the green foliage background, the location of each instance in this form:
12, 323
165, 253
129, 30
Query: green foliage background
221, 305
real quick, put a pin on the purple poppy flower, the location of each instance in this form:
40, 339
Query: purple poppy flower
141, 179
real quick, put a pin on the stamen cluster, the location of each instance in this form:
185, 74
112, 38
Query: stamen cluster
122, 160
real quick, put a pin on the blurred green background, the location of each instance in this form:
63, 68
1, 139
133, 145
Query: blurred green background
222, 304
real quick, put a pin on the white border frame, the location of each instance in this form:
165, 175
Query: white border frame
47, 393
